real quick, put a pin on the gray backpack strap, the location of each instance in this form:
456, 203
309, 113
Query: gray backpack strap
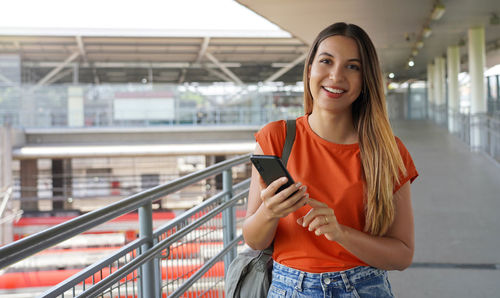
290, 138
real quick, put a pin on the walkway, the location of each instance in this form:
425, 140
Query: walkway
456, 202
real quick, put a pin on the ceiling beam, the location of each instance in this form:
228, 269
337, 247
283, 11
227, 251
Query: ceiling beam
224, 69
96, 77
219, 75
203, 49
59, 76
57, 69
283, 70
81, 48
182, 76
133, 64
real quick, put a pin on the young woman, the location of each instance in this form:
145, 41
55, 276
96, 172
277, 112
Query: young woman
351, 219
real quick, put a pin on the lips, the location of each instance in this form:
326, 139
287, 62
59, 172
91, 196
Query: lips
333, 92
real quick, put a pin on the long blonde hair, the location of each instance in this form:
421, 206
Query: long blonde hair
380, 158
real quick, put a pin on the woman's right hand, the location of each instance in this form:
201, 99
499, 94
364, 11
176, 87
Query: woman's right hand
277, 205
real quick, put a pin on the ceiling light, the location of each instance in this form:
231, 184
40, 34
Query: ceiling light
391, 75
411, 63
426, 32
414, 52
419, 44
437, 12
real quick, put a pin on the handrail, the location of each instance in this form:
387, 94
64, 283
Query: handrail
16, 251
156, 249
82, 275
182, 289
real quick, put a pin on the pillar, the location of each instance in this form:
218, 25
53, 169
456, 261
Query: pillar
477, 63
29, 184
62, 190
5, 157
430, 90
439, 88
75, 107
453, 59
6, 230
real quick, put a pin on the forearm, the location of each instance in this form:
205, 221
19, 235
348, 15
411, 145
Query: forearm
259, 229
381, 252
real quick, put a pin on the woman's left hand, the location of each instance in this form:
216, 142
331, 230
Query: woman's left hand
321, 220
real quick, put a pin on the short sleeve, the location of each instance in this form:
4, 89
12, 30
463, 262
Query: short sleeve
271, 137
411, 171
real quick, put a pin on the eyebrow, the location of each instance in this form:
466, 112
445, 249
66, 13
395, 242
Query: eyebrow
330, 55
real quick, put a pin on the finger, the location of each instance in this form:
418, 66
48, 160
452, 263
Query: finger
317, 204
298, 200
310, 216
276, 184
290, 203
317, 222
270, 190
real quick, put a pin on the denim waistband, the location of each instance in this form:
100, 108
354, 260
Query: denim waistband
344, 279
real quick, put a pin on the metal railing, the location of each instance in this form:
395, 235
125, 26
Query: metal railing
480, 132
123, 105
188, 254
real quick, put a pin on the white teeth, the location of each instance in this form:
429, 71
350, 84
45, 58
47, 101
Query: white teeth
333, 90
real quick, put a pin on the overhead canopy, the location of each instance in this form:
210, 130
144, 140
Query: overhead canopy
395, 26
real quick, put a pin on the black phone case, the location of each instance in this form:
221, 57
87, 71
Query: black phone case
270, 168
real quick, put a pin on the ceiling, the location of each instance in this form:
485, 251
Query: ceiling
114, 59
394, 26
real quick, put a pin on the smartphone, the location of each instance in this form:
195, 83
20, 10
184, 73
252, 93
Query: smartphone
270, 168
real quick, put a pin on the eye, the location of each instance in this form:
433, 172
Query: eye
325, 60
353, 67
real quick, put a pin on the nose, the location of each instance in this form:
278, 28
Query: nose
336, 74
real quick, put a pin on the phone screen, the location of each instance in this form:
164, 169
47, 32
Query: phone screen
270, 168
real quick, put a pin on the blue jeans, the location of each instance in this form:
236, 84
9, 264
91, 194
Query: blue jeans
356, 282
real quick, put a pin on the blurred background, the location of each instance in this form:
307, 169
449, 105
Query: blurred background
100, 100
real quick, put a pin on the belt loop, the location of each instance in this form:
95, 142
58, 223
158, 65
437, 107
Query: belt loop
298, 286
347, 284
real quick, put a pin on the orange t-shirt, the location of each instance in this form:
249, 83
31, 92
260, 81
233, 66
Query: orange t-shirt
333, 175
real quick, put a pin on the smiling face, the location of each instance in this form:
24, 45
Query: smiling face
335, 75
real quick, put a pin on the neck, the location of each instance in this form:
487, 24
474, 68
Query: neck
334, 128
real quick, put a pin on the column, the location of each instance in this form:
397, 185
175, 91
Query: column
453, 57
29, 185
439, 88
75, 107
477, 63
6, 230
62, 184
5, 157
430, 90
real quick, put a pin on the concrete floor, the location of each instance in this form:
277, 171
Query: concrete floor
456, 201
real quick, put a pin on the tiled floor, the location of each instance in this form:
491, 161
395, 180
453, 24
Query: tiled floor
456, 202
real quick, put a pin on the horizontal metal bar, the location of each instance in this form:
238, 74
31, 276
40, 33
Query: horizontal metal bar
173, 223
199, 273
156, 249
18, 250
74, 280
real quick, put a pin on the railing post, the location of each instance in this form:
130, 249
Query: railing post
228, 218
148, 281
